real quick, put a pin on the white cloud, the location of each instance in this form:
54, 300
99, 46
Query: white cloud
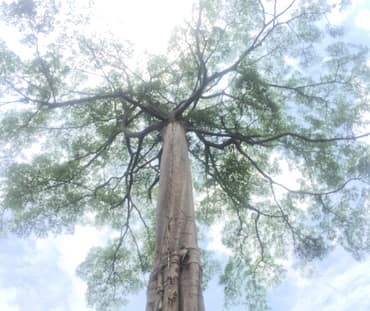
8, 298
75, 247
39, 274
215, 234
338, 15
147, 23
12, 39
72, 250
339, 283
362, 20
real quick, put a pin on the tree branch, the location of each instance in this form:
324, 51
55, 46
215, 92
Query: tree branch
263, 139
148, 108
262, 249
301, 192
218, 177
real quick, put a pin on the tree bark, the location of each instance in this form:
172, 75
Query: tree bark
175, 282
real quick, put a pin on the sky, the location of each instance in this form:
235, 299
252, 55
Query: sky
39, 274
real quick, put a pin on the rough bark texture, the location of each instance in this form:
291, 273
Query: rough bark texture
175, 283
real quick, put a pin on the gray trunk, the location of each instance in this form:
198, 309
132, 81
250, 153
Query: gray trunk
175, 283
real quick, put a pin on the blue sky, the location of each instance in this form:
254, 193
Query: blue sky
39, 274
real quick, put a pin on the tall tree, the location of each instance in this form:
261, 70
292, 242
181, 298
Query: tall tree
253, 90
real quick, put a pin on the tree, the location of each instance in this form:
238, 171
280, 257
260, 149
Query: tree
247, 88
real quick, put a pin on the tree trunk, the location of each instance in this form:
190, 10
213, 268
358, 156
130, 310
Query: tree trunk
175, 283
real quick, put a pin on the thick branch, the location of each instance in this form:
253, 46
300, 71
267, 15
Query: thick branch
148, 108
262, 139
151, 128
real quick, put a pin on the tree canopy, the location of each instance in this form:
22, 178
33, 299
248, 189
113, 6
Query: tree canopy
263, 88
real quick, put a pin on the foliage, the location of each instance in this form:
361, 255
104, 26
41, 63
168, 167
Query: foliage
263, 90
